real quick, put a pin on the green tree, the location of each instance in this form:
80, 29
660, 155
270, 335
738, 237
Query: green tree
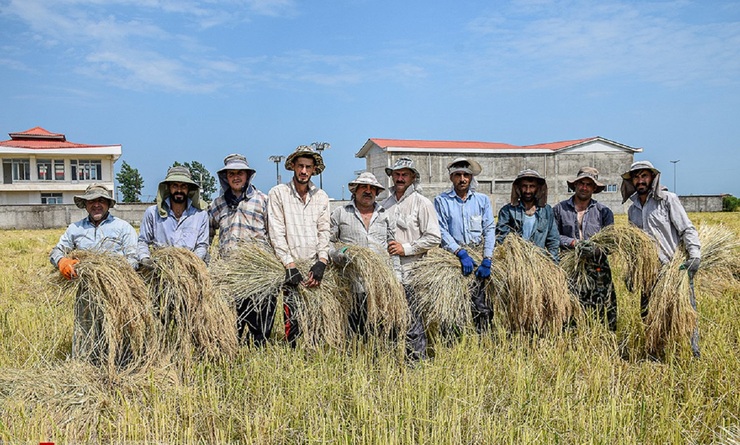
202, 176
130, 182
730, 203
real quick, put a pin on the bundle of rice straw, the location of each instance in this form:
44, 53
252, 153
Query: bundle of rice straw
633, 250
441, 291
195, 321
387, 310
531, 291
671, 318
114, 326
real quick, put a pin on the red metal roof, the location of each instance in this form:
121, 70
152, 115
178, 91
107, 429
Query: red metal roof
39, 138
405, 143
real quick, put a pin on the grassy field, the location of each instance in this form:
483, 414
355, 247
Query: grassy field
585, 386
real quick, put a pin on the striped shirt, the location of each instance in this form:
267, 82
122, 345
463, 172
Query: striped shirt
245, 221
298, 230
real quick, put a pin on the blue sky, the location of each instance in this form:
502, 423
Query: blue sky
182, 80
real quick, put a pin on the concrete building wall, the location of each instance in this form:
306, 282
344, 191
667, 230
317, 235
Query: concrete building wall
702, 203
58, 216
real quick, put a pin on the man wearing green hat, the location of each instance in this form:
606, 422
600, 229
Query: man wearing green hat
177, 219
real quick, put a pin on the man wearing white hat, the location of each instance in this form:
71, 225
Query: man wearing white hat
417, 231
466, 222
661, 214
579, 218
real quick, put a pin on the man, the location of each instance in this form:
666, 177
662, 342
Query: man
660, 213
240, 214
466, 221
417, 231
177, 219
529, 215
364, 223
298, 226
579, 218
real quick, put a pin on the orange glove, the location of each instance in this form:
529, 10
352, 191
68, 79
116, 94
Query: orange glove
67, 269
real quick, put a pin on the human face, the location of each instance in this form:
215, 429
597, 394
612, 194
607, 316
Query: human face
528, 189
365, 196
402, 179
303, 169
584, 189
461, 182
237, 179
642, 180
97, 208
179, 191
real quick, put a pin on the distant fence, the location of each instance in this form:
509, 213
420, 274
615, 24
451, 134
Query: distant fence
702, 203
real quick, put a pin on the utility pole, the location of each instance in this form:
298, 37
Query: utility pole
321, 146
277, 159
675, 190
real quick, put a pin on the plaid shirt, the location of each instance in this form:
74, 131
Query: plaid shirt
298, 230
245, 221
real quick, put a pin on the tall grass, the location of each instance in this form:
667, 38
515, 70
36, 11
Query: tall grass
584, 386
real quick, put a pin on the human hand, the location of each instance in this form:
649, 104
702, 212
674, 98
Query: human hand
293, 276
484, 270
465, 261
146, 263
66, 267
396, 248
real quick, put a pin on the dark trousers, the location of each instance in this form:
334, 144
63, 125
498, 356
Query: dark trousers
694, 339
257, 320
290, 315
602, 297
416, 338
482, 312
358, 315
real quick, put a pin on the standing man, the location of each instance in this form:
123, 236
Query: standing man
466, 221
240, 214
579, 218
660, 213
529, 215
364, 223
299, 229
417, 231
177, 219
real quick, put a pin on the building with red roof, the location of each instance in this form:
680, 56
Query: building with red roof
41, 167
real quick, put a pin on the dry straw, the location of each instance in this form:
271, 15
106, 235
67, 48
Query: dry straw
114, 327
195, 321
531, 291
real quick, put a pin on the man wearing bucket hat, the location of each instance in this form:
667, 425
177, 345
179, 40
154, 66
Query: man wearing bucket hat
298, 227
579, 218
177, 219
365, 223
529, 215
417, 231
661, 214
99, 231
240, 213
466, 222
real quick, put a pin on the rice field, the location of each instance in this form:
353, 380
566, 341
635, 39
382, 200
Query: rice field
586, 385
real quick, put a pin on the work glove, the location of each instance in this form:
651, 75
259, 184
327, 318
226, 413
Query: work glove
293, 276
484, 270
318, 270
588, 248
146, 263
691, 265
466, 262
66, 267
339, 256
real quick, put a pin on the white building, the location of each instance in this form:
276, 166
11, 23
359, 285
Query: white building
40, 167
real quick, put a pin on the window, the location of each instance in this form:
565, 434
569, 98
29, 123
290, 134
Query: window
50, 170
51, 198
611, 187
86, 170
17, 169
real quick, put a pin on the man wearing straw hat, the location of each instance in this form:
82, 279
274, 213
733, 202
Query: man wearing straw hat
177, 219
298, 227
579, 218
661, 214
240, 214
529, 215
417, 231
466, 221
99, 230
364, 223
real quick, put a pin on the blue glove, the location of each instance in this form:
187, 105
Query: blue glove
484, 270
466, 261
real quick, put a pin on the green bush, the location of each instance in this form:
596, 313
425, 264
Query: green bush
730, 203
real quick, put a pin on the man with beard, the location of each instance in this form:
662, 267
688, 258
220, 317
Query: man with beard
365, 223
417, 231
177, 219
529, 215
661, 214
240, 214
298, 226
579, 218
466, 222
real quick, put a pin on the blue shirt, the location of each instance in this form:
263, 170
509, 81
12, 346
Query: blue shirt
189, 232
465, 223
111, 235
597, 217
